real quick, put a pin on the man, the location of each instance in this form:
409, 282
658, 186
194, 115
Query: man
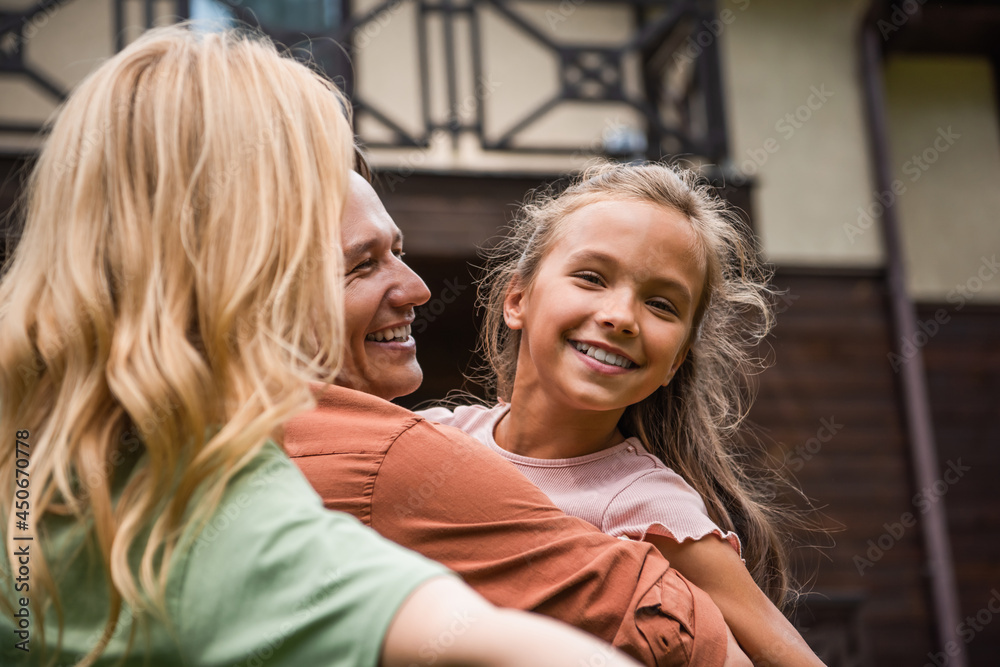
442, 494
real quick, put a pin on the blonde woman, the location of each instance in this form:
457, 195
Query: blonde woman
177, 286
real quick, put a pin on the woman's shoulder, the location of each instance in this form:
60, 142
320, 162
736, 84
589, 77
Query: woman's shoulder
269, 502
270, 538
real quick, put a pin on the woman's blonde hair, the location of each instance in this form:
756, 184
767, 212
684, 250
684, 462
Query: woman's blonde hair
692, 423
177, 285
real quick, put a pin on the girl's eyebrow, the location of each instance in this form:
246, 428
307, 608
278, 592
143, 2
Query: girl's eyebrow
674, 285
589, 253
593, 255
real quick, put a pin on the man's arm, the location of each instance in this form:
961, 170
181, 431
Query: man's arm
435, 490
446, 496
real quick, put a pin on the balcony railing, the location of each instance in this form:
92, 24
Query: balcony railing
655, 61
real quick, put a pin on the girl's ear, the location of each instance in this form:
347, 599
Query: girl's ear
677, 364
513, 305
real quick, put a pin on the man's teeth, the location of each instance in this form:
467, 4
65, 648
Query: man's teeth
395, 333
604, 357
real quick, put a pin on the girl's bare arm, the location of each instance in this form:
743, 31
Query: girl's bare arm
761, 629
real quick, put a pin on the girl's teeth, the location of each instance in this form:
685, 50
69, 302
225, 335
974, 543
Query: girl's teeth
604, 357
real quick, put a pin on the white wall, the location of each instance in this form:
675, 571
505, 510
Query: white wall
945, 147
796, 123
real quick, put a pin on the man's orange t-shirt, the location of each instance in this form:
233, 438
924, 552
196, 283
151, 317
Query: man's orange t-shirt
437, 491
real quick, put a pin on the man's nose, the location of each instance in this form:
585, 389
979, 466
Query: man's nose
409, 290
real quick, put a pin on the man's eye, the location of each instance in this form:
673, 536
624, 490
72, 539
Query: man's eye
399, 253
361, 266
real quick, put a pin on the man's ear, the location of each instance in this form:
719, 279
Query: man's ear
677, 364
513, 305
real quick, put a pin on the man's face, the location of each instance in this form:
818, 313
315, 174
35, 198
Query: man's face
380, 293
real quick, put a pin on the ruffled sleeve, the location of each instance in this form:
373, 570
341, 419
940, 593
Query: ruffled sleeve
660, 502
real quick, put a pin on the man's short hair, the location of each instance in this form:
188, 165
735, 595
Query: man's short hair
361, 164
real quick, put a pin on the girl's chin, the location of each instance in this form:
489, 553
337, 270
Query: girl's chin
587, 399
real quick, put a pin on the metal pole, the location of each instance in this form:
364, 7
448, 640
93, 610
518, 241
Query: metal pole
913, 379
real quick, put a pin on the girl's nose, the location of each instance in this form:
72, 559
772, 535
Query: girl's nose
618, 314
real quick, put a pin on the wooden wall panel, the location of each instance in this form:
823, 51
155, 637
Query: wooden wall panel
962, 359
13, 172
830, 351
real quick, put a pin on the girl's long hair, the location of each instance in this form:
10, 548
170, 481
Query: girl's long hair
691, 424
176, 287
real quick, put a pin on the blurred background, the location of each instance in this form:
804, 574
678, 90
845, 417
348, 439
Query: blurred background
860, 138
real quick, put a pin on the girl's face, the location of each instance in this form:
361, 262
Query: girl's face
606, 320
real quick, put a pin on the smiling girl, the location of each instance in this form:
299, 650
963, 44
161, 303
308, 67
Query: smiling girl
621, 316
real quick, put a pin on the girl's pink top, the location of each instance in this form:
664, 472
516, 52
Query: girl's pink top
624, 490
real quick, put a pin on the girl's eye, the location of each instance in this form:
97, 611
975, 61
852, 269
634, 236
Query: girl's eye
398, 252
590, 277
663, 305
